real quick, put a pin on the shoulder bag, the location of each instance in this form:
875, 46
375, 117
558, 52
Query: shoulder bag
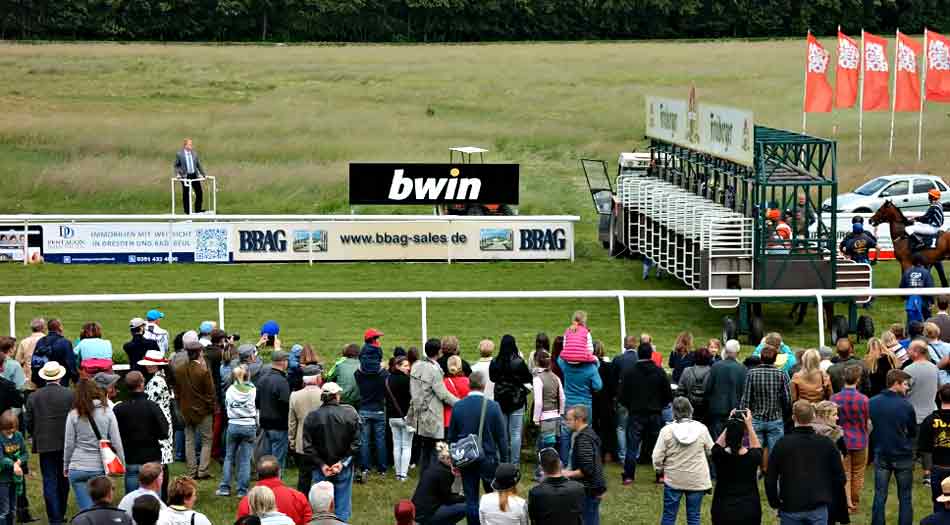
110, 460
468, 450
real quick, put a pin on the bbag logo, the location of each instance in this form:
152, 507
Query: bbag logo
433, 183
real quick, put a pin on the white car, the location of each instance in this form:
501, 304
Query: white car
907, 192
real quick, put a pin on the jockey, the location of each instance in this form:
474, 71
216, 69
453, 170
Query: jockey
858, 244
932, 220
781, 233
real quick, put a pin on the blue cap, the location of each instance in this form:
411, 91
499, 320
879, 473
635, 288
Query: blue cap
270, 328
857, 227
205, 327
154, 315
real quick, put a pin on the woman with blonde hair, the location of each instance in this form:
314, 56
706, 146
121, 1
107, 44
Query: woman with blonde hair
879, 361
241, 406
456, 382
504, 506
263, 504
892, 343
811, 383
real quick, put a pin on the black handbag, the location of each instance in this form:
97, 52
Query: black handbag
468, 450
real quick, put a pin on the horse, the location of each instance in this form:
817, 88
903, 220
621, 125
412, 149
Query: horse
888, 213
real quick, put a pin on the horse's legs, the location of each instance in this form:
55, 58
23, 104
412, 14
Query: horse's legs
938, 265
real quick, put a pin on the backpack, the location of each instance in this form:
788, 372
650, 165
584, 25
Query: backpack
42, 354
697, 392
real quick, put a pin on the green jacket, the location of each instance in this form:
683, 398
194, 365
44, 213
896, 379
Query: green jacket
14, 448
342, 374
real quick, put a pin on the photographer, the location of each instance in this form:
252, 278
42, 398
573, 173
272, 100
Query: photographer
736, 498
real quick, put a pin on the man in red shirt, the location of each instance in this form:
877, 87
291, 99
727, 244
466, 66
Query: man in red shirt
289, 501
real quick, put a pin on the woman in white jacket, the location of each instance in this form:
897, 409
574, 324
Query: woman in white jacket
680, 455
240, 402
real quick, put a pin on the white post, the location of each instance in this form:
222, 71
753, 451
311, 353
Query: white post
623, 320
171, 225
26, 242
425, 327
12, 318
173, 195
214, 194
861, 101
923, 94
805, 86
310, 243
897, 45
821, 320
221, 312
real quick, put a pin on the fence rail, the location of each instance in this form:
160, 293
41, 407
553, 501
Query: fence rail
424, 296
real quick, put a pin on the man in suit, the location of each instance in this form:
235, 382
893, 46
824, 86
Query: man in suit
187, 166
466, 419
45, 418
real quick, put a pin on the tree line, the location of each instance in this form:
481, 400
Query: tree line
456, 20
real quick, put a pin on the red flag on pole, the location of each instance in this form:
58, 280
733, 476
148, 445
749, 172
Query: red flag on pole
818, 93
846, 73
907, 83
876, 77
938, 67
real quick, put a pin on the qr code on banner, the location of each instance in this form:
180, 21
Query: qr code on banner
211, 245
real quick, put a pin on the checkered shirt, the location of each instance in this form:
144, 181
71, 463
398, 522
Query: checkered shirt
853, 415
766, 392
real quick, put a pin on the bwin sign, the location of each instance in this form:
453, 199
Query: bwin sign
435, 189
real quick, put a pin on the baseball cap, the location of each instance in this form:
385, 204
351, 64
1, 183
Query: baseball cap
405, 512
371, 333
104, 380
136, 322
190, 336
507, 476
154, 315
331, 388
279, 355
270, 328
205, 327
312, 370
246, 350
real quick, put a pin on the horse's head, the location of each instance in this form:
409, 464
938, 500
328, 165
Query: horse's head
887, 213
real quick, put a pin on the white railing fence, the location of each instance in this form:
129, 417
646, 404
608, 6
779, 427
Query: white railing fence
423, 297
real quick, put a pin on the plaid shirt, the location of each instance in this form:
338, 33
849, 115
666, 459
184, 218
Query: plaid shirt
853, 416
766, 393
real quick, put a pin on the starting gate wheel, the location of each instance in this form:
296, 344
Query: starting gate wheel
729, 330
865, 328
756, 328
839, 328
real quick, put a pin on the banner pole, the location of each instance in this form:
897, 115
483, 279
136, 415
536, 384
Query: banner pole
834, 105
805, 84
897, 45
861, 101
920, 116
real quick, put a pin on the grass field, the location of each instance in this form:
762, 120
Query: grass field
93, 128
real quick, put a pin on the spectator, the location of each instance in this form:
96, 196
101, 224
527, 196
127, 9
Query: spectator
715, 349
456, 382
106, 381
155, 332
915, 329
263, 504
250, 519
45, 420
157, 391
604, 404
303, 402
9, 367
923, 391
917, 276
510, 373
331, 436
766, 396
146, 510
141, 425
204, 333
24, 350
580, 382
942, 319
194, 389
139, 345
93, 353
578, 343
371, 351
150, 484
288, 500
371, 381
725, 386
693, 383
586, 463
182, 497
428, 394
855, 419
89, 418
556, 348
656, 357
10, 396
241, 403
548, 404
934, 439
450, 347
811, 383
405, 512
214, 355
941, 517
626, 358
342, 373
785, 358
541, 343
939, 351
644, 392
480, 416
503, 506
273, 404
681, 358
804, 471
680, 457
307, 357
894, 347
54, 347
486, 348
435, 503
736, 498
101, 491
14, 465
557, 500
247, 356
894, 429
397, 406
322, 502
878, 362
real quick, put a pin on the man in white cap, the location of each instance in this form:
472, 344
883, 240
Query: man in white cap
139, 345
45, 419
155, 332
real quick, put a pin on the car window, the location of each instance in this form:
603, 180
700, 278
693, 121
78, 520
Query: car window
923, 185
941, 186
898, 188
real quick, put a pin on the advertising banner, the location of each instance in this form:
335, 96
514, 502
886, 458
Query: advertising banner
667, 119
13, 241
398, 184
721, 131
132, 243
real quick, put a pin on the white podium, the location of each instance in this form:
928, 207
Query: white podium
214, 192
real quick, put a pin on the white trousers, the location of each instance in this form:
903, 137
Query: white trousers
921, 229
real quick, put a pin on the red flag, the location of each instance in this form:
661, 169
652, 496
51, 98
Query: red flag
876, 78
818, 94
846, 73
938, 67
907, 83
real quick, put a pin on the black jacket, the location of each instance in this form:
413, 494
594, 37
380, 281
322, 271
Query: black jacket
136, 349
509, 376
586, 457
10, 397
273, 400
331, 433
794, 485
433, 491
141, 425
399, 386
645, 388
444, 363
724, 386
54, 347
372, 388
98, 515
556, 501
45, 417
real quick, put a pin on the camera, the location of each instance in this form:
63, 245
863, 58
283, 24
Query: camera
739, 415
235, 337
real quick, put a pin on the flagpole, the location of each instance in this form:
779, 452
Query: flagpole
897, 45
834, 104
861, 101
920, 118
805, 85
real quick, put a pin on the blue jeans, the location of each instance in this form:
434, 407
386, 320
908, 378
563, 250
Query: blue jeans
768, 432
78, 479
621, 433
903, 470
590, 513
446, 515
7, 503
55, 486
817, 516
671, 505
481, 473
564, 446
514, 424
640, 428
374, 428
131, 477
342, 489
178, 440
278, 442
238, 447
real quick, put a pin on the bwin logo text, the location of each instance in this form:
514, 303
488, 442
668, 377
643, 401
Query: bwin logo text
434, 188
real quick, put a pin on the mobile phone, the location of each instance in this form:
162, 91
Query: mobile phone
270, 340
